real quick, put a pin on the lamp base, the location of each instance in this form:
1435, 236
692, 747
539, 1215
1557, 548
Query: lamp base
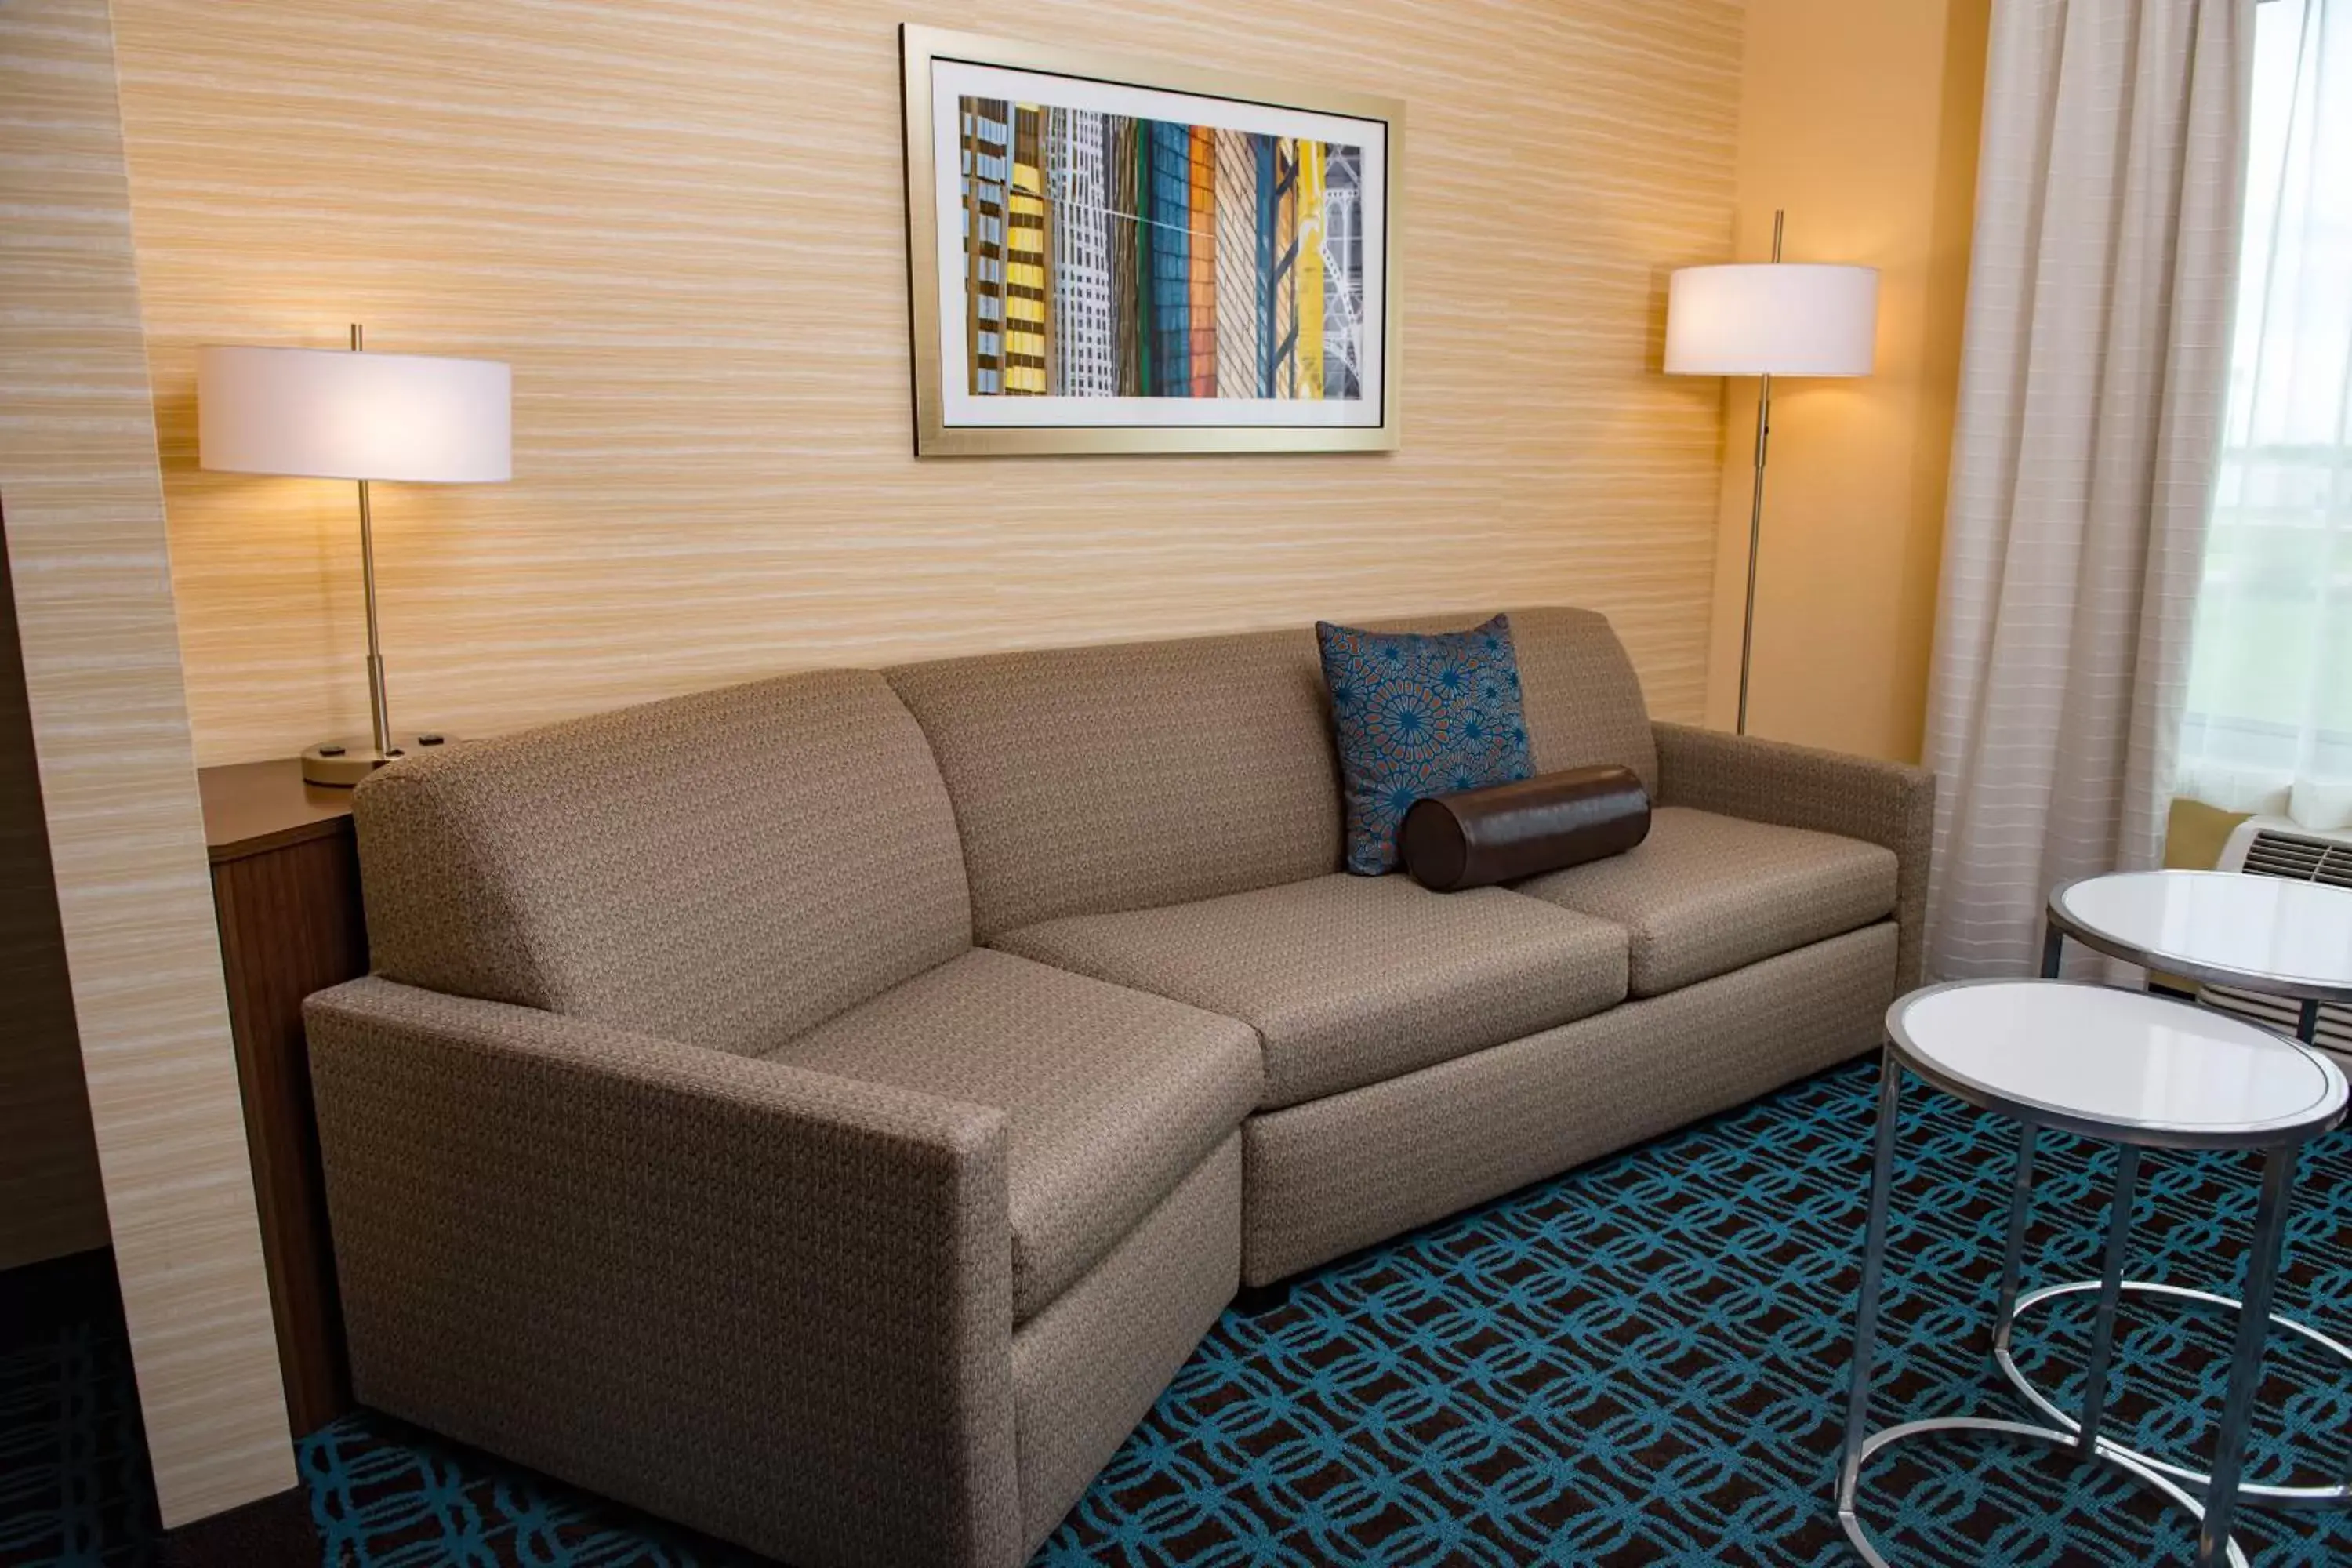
339, 765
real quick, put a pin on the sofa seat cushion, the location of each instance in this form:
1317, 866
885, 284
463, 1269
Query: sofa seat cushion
1704, 894
1111, 1097
1352, 980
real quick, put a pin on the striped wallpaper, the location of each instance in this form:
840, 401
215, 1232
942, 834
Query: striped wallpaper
89, 573
682, 221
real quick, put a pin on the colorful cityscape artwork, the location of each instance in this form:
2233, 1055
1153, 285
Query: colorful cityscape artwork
1115, 254
1109, 256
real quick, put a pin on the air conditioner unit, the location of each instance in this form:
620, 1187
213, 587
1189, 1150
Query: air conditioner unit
2278, 847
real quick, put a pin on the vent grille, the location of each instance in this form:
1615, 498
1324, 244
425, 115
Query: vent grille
2299, 858
2281, 1016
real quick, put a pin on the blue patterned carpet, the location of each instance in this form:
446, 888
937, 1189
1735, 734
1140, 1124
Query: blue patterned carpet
1640, 1363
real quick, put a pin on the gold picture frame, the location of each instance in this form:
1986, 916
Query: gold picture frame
1322, 383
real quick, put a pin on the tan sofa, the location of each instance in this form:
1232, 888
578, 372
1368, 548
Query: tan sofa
827, 1111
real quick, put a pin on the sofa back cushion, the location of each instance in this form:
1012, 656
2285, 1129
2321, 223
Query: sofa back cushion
728, 868
1582, 700
1092, 780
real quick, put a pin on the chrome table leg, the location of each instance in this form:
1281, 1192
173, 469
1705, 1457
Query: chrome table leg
2013, 1256
2111, 1287
1873, 1260
2246, 1361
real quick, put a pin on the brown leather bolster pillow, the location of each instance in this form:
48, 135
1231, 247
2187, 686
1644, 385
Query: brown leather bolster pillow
1481, 836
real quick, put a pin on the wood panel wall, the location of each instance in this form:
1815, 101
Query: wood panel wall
101, 672
682, 221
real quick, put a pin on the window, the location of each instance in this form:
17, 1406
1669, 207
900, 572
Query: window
2269, 715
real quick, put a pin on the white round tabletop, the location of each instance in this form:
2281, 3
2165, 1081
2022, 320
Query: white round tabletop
2115, 1064
2264, 933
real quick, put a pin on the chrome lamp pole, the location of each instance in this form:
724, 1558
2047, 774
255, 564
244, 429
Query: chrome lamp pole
1755, 505
380, 706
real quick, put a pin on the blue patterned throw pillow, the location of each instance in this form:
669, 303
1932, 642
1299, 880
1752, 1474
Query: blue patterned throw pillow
1418, 716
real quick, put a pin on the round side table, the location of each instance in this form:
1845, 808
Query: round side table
2131, 1069
2283, 938
2266, 934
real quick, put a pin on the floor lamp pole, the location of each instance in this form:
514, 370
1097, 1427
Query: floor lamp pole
1756, 510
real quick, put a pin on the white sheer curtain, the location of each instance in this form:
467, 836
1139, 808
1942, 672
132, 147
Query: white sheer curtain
2269, 721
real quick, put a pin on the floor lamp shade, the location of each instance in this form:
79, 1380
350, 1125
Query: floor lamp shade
1771, 319
326, 414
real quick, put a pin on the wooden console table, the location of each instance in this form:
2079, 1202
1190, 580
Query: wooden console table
286, 886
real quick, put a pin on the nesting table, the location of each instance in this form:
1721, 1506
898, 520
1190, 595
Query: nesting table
2266, 934
2130, 1069
2281, 938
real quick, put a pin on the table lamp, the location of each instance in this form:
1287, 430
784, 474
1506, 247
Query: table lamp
1765, 320
325, 414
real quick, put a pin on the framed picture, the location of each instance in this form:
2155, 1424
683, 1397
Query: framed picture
1110, 255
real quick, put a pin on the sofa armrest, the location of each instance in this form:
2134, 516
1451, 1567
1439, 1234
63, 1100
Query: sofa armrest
1888, 803
771, 1303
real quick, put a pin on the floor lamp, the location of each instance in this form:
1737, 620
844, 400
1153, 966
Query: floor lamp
326, 414
1765, 320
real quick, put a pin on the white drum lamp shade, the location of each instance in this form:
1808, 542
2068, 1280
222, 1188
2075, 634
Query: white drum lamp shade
328, 413
332, 414
1779, 318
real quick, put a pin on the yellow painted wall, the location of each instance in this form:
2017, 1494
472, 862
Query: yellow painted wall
1860, 118
682, 221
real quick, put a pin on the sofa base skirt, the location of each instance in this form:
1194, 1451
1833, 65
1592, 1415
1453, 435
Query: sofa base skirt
1090, 1366
1342, 1173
